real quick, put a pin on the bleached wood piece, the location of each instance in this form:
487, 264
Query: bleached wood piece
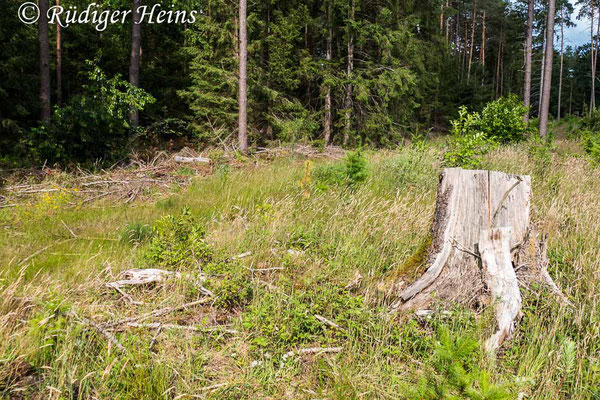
501, 281
182, 159
144, 276
312, 350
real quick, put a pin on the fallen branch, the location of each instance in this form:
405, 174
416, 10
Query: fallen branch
125, 295
328, 322
243, 255
157, 313
312, 350
355, 283
111, 338
191, 328
543, 262
182, 159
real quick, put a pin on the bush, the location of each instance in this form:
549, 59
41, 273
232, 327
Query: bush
352, 172
93, 126
178, 242
591, 144
233, 291
503, 120
468, 143
456, 372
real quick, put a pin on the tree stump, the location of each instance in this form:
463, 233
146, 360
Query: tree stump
480, 226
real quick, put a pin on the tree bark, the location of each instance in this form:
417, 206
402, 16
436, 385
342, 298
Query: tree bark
44, 61
58, 62
544, 109
350, 68
441, 18
328, 55
499, 57
472, 40
571, 96
134, 58
562, 59
243, 98
482, 55
592, 58
528, 53
447, 25
542, 74
595, 69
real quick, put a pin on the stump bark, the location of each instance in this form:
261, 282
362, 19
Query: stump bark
480, 226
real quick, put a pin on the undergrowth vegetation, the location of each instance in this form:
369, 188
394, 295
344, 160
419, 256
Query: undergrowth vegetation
476, 134
323, 237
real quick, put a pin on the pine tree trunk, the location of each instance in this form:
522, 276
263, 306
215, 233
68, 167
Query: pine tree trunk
58, 62
542, 74
472, 40
483, 40
350, 67
134, 59
571, 97
441, 18
44, 61
447, 25
528, 54
562, 59
596, 54
328, 55
498, 58
243, 99
592, 58
544, 109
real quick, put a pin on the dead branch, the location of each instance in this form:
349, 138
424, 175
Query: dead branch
191, 328
181, 159
158, 313
312, 350
328, 322
100, 330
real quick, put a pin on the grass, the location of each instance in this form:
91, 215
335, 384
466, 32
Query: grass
56, 258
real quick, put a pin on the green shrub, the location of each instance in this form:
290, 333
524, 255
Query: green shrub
352, 172
233, 291
456, 372
591, 144
177, 242
356, 167
92, 126
327, 175
468, 143
503, 120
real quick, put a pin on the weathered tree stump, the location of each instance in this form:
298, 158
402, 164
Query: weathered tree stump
479, 231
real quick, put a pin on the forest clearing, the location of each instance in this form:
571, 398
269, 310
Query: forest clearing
275, 257
299, 199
